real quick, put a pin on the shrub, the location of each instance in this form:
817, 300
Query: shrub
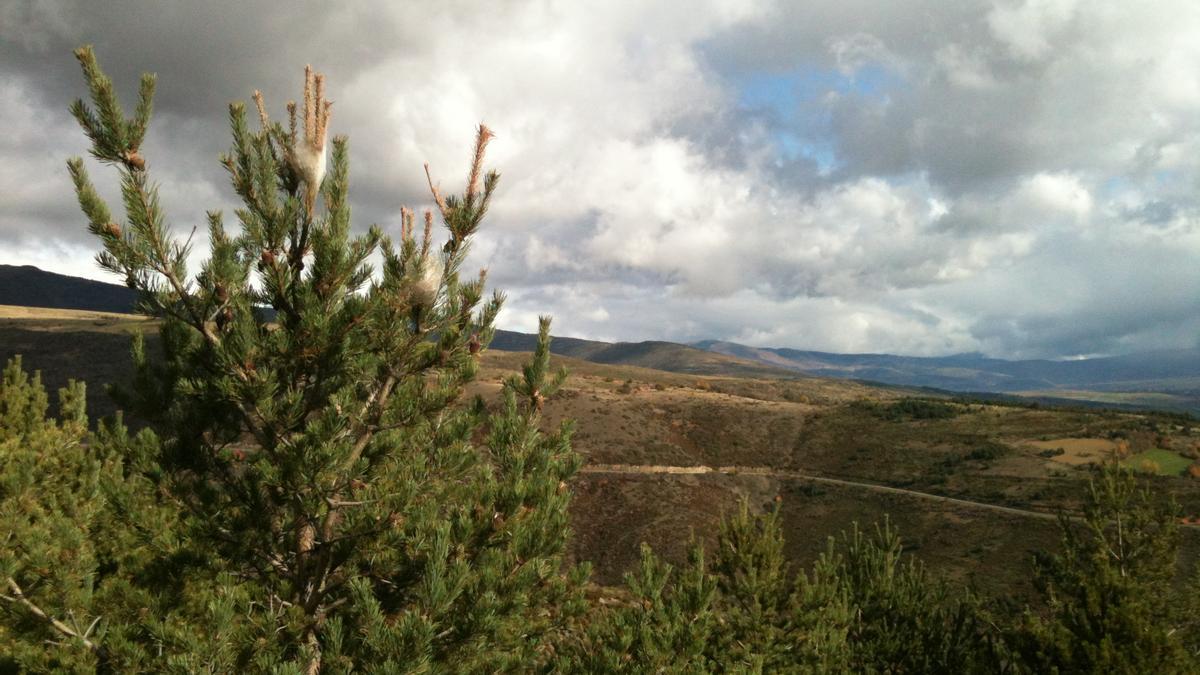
988, 451
909, 409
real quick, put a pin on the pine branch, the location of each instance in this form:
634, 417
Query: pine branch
18, 596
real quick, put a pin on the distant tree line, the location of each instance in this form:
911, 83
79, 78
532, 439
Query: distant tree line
314, 495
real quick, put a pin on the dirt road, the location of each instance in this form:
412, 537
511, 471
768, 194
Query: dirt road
633, 469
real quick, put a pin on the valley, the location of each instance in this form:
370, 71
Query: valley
974, 487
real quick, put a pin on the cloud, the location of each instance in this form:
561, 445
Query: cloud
919, 177
1029, 29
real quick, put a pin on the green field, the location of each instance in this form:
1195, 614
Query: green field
1169, 463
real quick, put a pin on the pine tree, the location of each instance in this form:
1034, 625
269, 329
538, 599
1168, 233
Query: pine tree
323, 498
1107, 592
86, 541
774, 619
48, 504
664, 624
904, 620
743, 611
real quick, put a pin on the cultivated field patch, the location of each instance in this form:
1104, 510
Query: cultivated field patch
1076, 451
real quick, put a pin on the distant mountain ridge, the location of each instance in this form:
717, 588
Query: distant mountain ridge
669, 356
1165, 371
28, 286
1119, 380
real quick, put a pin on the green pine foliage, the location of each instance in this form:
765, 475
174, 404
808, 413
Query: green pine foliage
773, 619
743, 611
1108, 592
313, 493
84, 536
49, 505
903, 619
864, 607
664, 623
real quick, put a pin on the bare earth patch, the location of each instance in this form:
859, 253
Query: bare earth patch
1078, 451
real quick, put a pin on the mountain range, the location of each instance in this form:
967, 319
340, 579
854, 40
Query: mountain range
1173, 371
1161, 379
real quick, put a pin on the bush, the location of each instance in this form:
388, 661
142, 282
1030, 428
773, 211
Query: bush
987, 451
909, 409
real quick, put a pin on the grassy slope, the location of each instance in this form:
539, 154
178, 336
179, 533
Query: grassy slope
632, 415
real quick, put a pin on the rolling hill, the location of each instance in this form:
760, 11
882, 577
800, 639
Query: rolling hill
1162, 379
31, 287
1158, 380
28, 286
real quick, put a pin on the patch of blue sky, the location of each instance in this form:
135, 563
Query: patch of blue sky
792, 147
784, 92
1115, 185
1159, 179
794, 104
1165, 176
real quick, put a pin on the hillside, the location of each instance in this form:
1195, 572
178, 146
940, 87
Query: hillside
659, 355
29, 286
1152, 380
972, 487
1163, 379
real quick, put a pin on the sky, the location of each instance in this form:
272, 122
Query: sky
921, 177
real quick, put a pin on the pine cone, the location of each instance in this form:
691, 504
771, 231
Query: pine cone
113, 229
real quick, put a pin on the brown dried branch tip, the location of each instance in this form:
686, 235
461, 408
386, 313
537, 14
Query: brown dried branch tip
406, 223
262, 109
291, 108
309, 154
481, 140
437, 194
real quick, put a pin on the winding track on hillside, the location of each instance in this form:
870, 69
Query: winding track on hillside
645, 469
